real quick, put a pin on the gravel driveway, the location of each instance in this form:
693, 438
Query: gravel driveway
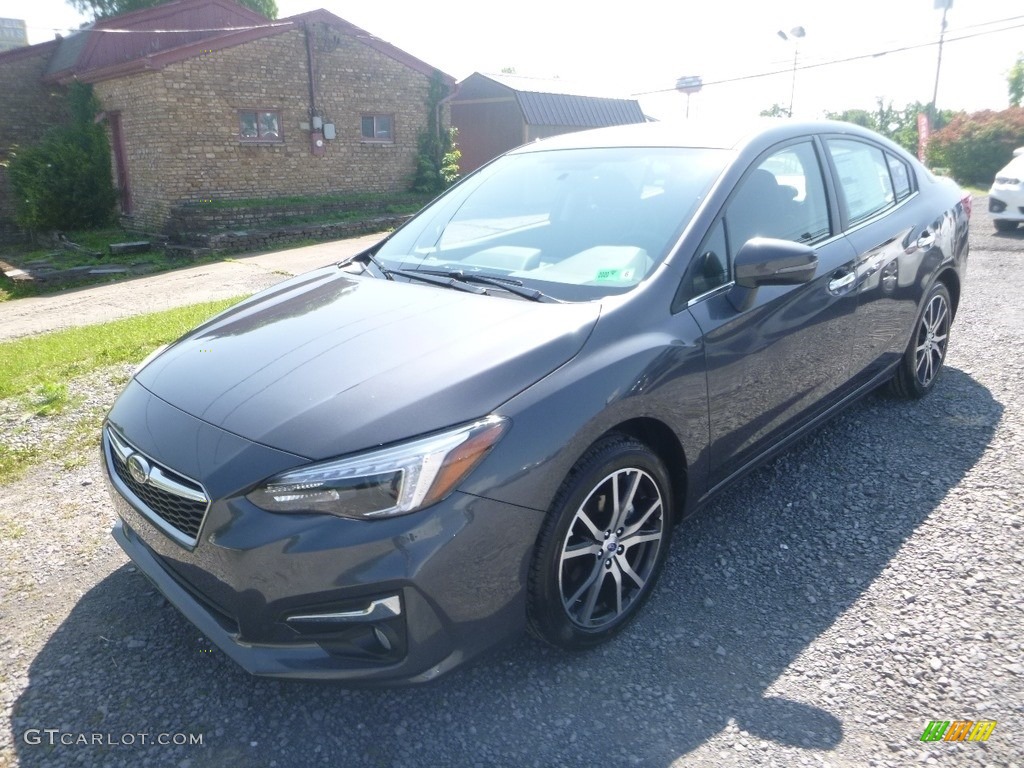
821, 613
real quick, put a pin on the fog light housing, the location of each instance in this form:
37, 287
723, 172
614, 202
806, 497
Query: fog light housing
371, 630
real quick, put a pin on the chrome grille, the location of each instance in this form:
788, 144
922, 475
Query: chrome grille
175, 503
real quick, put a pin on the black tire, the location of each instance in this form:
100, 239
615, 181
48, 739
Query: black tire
597, 561
1002, 225
926, 352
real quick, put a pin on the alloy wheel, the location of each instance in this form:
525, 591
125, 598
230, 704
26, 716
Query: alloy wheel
611, 548
932, 336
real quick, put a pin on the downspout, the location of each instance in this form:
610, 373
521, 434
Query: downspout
312, 73
440, 105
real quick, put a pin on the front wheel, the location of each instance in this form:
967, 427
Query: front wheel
1003, 225
602, 546
926, 352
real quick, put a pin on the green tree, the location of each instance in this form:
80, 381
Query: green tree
973, 147
437, 164
64, 182
900, 125
1015, 81
859, 117
775, 110
103, 9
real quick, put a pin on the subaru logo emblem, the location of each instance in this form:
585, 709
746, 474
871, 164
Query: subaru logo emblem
138, 468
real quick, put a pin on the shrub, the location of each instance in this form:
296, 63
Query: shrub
973, 147
64, 182
437, 160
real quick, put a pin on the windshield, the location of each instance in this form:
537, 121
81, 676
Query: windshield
577, 224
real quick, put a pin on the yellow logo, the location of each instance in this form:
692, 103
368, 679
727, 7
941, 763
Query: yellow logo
958, 730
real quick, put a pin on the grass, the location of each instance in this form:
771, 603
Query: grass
36, 371
49, 398
10, 290
40, 361
14, 461
99, 241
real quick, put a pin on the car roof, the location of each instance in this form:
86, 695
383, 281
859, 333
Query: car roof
709, 134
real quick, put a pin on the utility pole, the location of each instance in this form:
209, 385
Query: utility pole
795, 34
945, 5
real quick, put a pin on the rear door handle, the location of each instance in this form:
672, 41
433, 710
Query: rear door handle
841, 282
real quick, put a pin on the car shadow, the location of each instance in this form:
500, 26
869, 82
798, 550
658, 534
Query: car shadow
753, 579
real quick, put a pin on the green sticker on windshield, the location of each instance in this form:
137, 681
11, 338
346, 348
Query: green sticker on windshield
615, 274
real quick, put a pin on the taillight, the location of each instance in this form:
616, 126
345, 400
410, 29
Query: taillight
966, 202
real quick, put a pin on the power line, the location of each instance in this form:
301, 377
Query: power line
107, 30
858, 57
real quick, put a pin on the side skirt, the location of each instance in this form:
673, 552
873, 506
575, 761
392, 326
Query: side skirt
811, 424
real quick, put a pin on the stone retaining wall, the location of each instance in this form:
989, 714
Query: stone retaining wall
186, 221
267, 239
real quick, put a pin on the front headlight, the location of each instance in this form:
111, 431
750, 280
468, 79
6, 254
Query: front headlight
387, 482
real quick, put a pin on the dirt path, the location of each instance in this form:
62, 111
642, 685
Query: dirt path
208, 282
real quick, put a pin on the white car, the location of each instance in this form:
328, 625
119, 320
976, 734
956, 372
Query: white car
1006, 198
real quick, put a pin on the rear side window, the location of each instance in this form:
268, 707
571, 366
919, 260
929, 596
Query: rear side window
900, 177
864, 179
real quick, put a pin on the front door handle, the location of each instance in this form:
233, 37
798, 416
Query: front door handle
842, 281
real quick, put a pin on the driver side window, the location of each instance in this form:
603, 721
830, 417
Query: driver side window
782, 197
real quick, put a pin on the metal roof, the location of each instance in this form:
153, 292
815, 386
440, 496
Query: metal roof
524, 84
69, 50
560, 102
577, 111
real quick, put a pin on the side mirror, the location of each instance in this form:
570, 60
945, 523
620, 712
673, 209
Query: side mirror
767, 261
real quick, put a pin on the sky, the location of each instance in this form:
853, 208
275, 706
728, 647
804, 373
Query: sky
642, 47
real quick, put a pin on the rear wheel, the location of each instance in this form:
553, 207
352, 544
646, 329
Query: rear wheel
926, 352
1003, 225
602, 545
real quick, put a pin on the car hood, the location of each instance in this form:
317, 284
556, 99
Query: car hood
329, 363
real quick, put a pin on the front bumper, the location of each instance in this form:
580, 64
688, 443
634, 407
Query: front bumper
401, 600
1006, 203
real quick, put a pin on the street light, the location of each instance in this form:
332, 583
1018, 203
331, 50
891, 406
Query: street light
797, 33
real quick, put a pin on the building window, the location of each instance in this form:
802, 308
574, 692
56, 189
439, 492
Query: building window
259, 125
377, 128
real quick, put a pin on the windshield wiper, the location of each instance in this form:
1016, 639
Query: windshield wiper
371, 259
434, 279
510, 284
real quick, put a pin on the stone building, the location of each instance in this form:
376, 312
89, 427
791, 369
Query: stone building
206, 100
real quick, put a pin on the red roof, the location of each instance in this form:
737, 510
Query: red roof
175, 31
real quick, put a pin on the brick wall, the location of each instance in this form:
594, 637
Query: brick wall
181, 123
28, 107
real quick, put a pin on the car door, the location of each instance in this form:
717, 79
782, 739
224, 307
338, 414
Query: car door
775, 363
880, 211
